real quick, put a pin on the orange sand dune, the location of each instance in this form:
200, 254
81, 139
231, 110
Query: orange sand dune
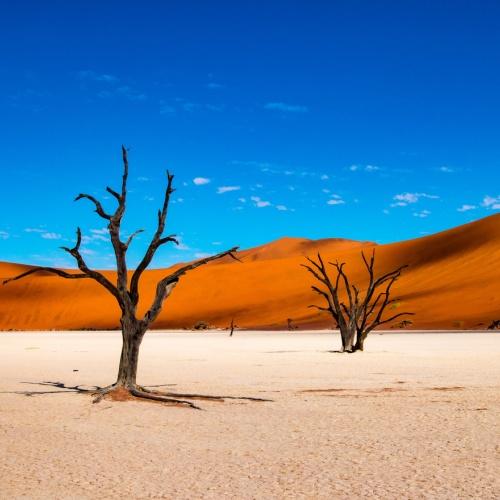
452, 283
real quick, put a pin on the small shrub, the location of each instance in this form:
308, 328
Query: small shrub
201, 325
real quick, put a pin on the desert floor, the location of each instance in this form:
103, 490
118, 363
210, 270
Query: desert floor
414, 416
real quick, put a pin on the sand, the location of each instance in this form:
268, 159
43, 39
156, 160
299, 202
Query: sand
414, 416
451, 283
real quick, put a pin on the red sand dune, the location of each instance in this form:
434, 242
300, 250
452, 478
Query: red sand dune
452, 283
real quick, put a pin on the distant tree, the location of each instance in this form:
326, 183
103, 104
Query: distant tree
362, 313
126, 288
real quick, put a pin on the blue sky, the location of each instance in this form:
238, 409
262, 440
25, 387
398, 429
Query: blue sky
365, 120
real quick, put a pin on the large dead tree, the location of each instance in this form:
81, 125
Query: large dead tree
359, 314
126, 288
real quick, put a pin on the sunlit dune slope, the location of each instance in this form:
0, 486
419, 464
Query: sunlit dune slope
452, 282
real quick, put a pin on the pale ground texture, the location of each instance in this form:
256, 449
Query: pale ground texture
414, 416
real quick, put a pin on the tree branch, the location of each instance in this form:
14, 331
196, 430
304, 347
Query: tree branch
96, 275
58, 272
98, 207
166, 285
154, 244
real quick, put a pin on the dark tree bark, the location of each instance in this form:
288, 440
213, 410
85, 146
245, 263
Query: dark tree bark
361, 314
127, 293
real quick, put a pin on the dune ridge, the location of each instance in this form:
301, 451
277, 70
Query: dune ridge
452, 283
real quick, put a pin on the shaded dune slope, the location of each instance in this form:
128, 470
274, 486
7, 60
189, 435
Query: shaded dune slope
452, 282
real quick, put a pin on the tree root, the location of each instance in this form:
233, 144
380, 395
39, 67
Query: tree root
162, 398
204, 397
121, 392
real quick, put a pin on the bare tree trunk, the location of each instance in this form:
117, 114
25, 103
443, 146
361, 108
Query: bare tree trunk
132, 336
347, 335
360, 342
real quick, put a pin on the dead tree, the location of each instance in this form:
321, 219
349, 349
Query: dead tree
361, 314
126, 288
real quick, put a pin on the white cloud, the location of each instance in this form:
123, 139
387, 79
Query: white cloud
406, 198
493, 203
4, 235
335, 201
35, 230
181, 245
259, 203
214, 86
200, 181
227, 189
98, 77
143, 179
281, 208
446, 170
87, 251
130, 93
51, 236
466, 208
324, 177
166, 109
366, 168
242, 200
148, 198
288, 108
422, 214
325, 190
104, 230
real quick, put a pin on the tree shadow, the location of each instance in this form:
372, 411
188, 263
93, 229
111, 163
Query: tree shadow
63, 388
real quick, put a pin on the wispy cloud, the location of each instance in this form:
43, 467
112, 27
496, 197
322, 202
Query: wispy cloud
287, 108
446, 170
422, 214
51, 236
109, 86
466, 208
490, 202
364, 168
215, 86
97, 77
143, 179
335, 199
87, 251
227, 189
200, 181
401, 200
96, 235
166, 109
4, 235
282, 208
259, 202
130, 93
44, 233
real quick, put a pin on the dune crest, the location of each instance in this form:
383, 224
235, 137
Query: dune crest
452, 283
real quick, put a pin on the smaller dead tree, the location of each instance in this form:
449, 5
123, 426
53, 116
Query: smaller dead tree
362, 313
